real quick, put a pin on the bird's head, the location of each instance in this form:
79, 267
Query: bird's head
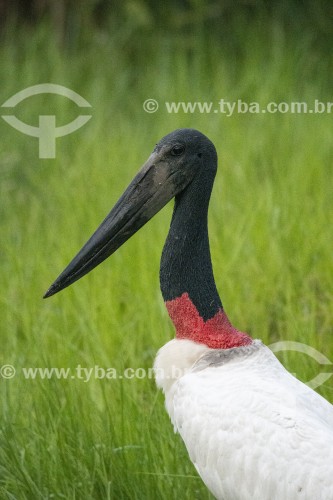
177, 159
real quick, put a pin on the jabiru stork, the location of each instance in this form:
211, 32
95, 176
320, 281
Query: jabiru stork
252, 430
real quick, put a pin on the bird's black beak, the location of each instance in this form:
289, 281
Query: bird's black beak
158, 181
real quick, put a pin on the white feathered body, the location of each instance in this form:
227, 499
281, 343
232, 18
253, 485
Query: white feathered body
252, 430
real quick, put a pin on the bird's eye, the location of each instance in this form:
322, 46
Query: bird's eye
178, 150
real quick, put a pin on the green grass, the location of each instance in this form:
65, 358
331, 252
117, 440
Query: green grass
270, 222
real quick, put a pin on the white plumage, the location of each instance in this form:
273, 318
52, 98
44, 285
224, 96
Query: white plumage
252, 430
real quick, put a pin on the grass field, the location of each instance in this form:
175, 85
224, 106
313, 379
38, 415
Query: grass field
271, 234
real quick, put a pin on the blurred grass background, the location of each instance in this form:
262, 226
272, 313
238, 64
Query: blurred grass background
270, 221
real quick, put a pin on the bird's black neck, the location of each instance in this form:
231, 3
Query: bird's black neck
186, 265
